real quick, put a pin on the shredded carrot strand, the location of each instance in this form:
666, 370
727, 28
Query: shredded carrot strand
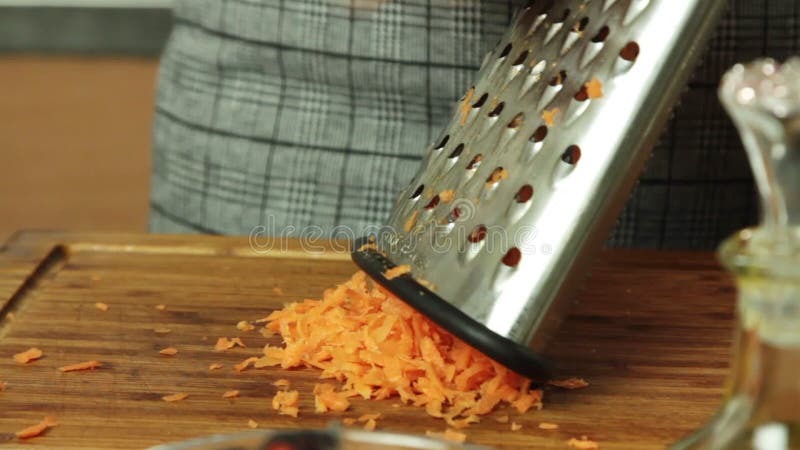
175, 397
88, 365
36, 430
32, 354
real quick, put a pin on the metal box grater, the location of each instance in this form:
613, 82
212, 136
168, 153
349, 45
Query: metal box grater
526, 180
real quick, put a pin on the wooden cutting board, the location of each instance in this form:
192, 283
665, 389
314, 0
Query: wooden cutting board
651, 334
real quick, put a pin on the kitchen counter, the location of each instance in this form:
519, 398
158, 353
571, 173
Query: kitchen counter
651, 333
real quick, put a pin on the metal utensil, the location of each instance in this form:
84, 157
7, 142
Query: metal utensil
524, 183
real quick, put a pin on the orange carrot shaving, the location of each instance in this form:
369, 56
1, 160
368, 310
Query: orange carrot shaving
377, 347
230, 394
515, 426
101, 306
32, 354
447, 196
169, 351
548, 426
175, 397
370, 425
252, 423
282, 383
570, 383
466, 107
349, 421
583, 444
501, 419
242, 366
549, 116
285, 402
245, 326
277, 290
327, 399
448, 435
215, 366
366, 417
36, 430
397, 271
3, 386
594, 88
161, 307
412, 220
162, 331
224, 343
88, 365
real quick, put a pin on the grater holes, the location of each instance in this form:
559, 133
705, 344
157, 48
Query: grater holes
582, 95
506, 51
571, 155
521, 58
512, 257
564, 16
417, 192
481, 101
497, 175
497, 110
580, 26
630, 52
454, 214
558, 79
443, 142
524, 194
476, 161
516, 121
456, 151
538, 136
601, 35
434, 202
478, 234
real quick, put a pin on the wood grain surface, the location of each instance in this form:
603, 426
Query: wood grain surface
651, 334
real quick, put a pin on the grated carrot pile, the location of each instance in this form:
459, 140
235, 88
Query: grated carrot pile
31, 354
36, 430
88, 365
570, 383
583, 444
378, 347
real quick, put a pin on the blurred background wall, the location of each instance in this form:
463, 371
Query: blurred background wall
77, 83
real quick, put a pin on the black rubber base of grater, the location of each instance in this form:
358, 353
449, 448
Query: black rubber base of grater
516, 357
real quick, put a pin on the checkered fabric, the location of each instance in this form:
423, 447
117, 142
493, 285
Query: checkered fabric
290, 114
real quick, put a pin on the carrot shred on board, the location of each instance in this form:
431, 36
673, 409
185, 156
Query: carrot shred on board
375, 346
252, 423
285, 402
244, 325
31, 354
594, 88
515, 426
583, 444
161, 307
548, 426
277, 290
224, 343
230, 394
349, 421
162, 330
501, 419
36, 430
569, 383
88, 365
175, 397
169, 351
242, 366
215, 366
397, 271
370, 425
448, 435
3, 386
366, 417
549, 116
101, 306
283, 382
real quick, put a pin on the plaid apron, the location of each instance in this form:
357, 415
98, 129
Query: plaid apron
305, 117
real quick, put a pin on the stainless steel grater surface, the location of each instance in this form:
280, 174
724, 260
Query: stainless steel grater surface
526, 180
